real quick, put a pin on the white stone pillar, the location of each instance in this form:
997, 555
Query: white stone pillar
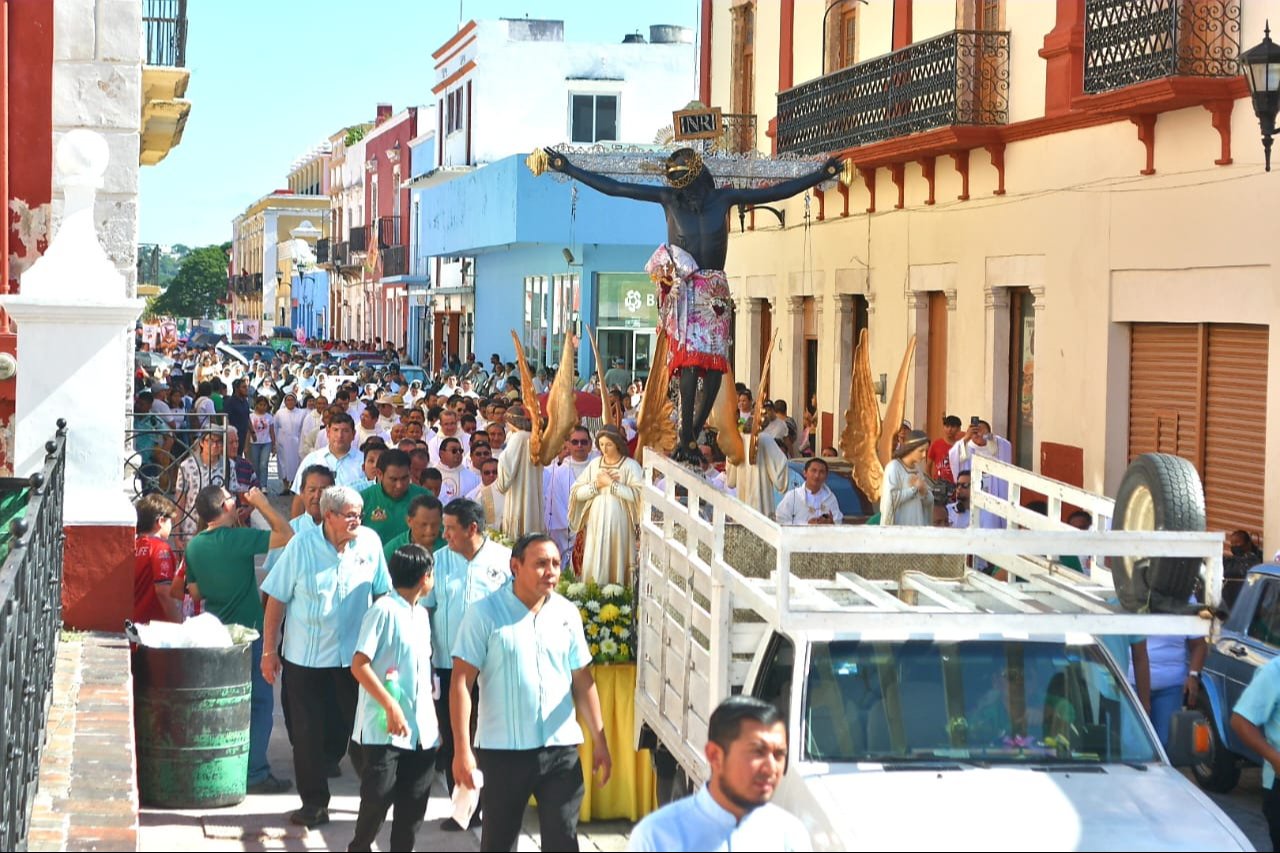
746, 340
73, 318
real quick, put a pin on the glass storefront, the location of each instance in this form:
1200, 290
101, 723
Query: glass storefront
626, 316
551, 307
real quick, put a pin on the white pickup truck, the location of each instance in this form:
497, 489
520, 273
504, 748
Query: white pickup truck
929, 706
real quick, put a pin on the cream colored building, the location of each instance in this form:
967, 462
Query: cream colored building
261, 262
1067, 206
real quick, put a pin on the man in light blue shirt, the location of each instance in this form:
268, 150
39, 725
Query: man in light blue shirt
325, 581
526, 642
469, 569
1256, 721
747, 752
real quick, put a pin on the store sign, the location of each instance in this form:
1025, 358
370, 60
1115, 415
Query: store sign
626, 300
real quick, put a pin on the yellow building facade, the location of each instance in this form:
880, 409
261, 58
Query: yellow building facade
261, 264
1066, 204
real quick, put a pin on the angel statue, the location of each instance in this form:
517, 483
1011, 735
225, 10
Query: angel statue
532, 446
694, 304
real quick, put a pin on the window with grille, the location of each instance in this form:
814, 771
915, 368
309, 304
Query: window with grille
453, 111
593, 118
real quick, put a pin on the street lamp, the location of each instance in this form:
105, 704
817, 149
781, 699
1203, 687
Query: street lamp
1261, 65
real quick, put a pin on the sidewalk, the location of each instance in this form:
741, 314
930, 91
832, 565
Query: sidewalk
262, 823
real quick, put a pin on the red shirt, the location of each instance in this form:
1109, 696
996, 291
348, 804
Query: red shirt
153, 564
940, 460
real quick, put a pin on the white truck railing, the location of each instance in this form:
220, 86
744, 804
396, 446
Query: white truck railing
691, 649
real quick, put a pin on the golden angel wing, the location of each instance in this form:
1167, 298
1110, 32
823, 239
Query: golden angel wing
862, 424
758, 412
654, 425
608, 417
562, 406
897, 406
529, 396
724, 420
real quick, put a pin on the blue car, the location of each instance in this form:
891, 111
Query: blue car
1250, 638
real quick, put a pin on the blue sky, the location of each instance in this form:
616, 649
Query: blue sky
272, 78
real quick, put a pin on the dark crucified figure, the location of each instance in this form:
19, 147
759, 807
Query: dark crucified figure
694, 304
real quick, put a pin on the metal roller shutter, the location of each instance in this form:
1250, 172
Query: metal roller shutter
1165, 400
1199, 391
1235, 425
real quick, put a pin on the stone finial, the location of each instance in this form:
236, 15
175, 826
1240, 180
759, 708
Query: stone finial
75, 269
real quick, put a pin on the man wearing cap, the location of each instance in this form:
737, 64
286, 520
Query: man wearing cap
811, 503
617, 376
387, 411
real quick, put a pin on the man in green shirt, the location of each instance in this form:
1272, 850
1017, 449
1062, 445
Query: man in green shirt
386, 503
423, 518
221, 573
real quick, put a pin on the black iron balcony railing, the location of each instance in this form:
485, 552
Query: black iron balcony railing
322, 250
389, 232
394, 261
30, 626
958, 78
165, 22
358, 239
340, 253
739, 134
257, 282
1134, 41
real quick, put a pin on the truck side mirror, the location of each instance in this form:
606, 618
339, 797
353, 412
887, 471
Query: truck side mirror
1190, 741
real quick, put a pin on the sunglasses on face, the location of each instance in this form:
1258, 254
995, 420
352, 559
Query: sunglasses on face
579, 441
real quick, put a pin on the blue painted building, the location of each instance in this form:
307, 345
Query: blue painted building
537, 256
310, 301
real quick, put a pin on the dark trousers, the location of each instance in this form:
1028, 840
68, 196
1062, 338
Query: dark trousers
393, 776
1271, 811
553, 774
320, 699
444, 755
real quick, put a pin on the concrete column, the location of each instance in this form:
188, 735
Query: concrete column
918, 384
996, 358
270, 265
73, 335
747, 343
845, 344
793, 348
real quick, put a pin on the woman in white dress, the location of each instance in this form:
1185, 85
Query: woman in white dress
604, 510
905, 497
288, 439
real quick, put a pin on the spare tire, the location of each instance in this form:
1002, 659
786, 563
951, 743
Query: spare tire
1158, 492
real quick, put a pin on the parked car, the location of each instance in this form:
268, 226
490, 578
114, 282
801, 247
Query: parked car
1249, 638
840, 481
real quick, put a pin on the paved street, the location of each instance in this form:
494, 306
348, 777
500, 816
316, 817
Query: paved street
1244, 806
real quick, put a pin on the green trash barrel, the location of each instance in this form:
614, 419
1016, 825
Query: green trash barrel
191, 720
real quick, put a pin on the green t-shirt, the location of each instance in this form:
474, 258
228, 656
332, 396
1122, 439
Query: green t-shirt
403, 539
218, 405
384, 516
220, 562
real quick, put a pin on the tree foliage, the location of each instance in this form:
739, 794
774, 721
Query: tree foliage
198, 285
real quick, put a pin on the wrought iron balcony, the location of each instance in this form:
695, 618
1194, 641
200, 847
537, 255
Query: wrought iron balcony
1134, 41
389, 231
358, 239
165, 22
340, 254
322, 250
739, 135
394, 261
257, 282
958, 78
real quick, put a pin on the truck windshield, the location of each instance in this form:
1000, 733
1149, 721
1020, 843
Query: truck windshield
993, 702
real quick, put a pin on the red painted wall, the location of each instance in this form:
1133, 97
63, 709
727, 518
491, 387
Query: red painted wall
97, 582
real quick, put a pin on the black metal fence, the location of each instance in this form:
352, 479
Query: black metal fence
394, 261
357, 240
165, 22
958, 78
166, 459
30, 625
1133, 41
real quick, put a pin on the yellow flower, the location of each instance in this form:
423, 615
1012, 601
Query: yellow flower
609, 613
595, 649
619, 630
624, 650
586, 617
593, 629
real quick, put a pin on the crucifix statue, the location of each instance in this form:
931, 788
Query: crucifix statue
694, 305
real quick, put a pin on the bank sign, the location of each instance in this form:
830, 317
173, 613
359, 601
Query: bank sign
626, 300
